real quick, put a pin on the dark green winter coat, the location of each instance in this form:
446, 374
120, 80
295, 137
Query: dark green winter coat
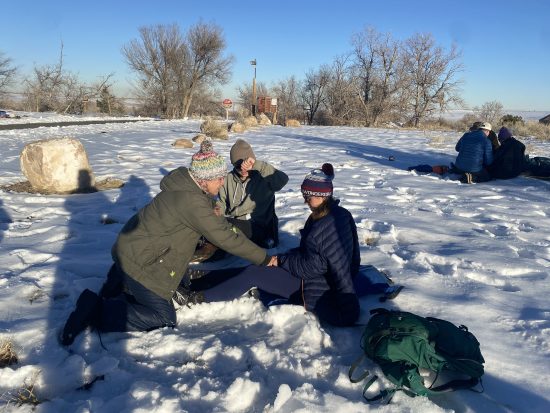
156, 245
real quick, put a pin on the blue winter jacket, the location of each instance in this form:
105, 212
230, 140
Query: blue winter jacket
327, 261
474, 152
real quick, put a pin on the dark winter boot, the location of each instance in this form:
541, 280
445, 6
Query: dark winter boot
113, 285
183, 296
86, 313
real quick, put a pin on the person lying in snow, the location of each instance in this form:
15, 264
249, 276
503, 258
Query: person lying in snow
153, 249
319, 274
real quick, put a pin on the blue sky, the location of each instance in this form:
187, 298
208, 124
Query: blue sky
505, 44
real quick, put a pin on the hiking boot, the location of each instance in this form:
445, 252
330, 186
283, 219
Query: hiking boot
183, 296
253, 292
86, 314
193, 273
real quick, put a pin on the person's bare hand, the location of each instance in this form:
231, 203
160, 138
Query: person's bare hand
273, 262
247, 165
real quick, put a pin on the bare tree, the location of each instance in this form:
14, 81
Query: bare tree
378, 74
390, 78
364, 50
287, 92
245, 92
157, 57
7, 72
206, 63
172, 68
43, 86
50, 87
340, 93
490, 112
313, 93
432, 75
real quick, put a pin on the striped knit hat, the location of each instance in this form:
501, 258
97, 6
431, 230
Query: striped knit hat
206, 164
319, 182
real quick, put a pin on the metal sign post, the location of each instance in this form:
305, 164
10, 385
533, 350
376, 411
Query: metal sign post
227, 104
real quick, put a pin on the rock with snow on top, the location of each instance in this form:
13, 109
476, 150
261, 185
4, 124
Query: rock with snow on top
292, 123
57, 165
263, 120
182, 143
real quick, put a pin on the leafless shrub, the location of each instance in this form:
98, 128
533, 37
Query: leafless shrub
214, 129
490, 112
249, 122
24, 395
293, 123
532, 128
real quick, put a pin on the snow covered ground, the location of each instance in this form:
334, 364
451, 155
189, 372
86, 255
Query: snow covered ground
477, 255
17, 117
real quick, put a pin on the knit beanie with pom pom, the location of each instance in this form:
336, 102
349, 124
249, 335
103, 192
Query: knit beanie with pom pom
206, 164
319, 182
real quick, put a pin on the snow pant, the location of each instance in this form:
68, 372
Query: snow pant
274, 283
227, 284
129, 306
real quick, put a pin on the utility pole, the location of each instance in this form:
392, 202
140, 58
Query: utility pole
253, 63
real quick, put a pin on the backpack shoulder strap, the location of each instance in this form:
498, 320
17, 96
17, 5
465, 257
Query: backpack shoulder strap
354, 366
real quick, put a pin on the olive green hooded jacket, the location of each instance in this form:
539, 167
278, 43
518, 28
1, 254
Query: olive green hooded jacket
155, 246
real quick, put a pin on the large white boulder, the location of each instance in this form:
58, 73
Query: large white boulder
57, 166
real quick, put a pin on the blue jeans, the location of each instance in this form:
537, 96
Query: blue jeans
134, 308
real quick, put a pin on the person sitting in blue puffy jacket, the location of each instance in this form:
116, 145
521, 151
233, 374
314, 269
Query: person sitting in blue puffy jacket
475, 154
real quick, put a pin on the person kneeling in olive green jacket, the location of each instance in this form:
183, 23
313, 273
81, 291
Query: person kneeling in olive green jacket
153, 250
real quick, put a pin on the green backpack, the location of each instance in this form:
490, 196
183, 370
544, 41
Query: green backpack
402, 343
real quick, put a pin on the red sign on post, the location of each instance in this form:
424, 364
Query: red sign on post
227, 103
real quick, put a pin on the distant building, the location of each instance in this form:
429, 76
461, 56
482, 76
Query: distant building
545, 120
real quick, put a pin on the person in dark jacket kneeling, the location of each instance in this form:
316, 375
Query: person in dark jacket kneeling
153, 250
318, 274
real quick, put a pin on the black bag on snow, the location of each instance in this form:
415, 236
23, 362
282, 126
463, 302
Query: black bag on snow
537, 166
401, 343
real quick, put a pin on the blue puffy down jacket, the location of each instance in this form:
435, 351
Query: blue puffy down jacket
327, 261
474, 152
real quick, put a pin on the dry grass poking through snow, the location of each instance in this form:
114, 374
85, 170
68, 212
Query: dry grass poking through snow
24, 395
7, 354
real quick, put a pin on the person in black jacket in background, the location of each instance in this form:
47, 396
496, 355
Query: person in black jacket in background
318, 274
509, 158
